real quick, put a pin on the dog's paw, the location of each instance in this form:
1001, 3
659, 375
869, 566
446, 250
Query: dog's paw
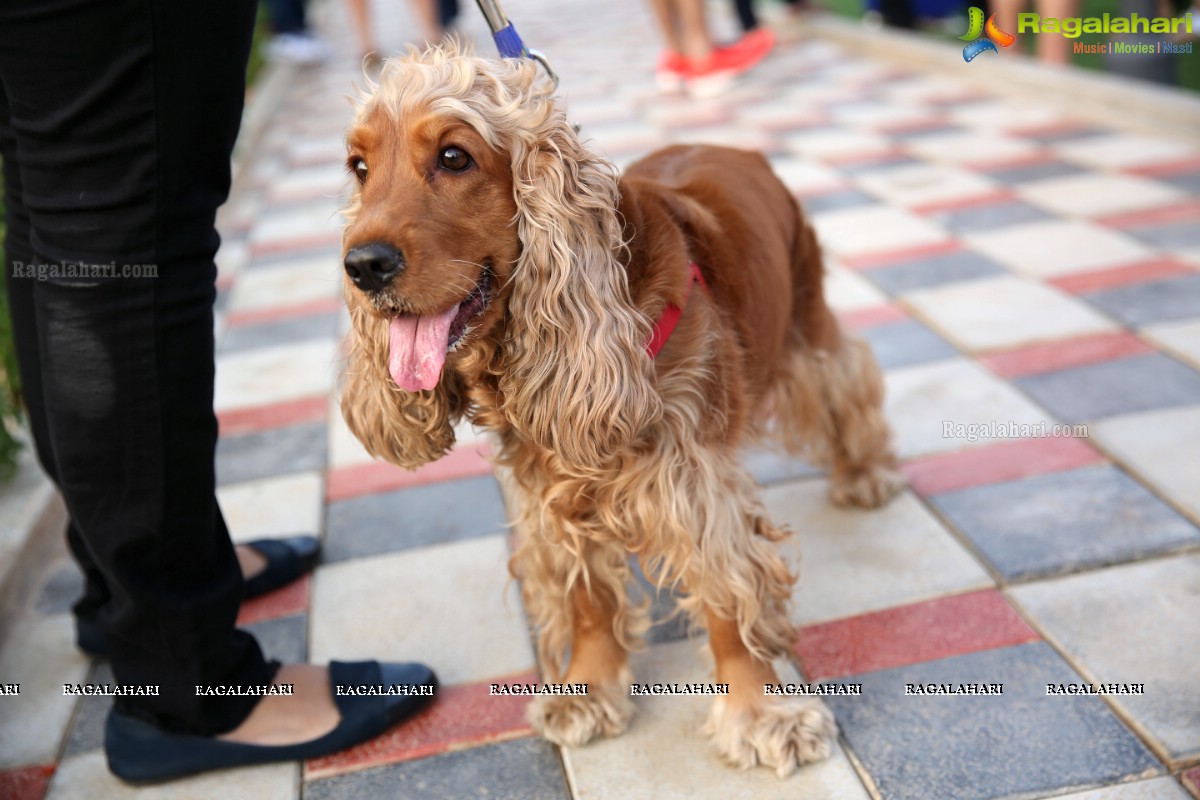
574, 720
866, 488
780, 733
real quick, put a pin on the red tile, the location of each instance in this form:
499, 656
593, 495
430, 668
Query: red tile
378, 476
275, 415
1035, 359
291, 599
1167, 168
258, 316
25, 783
1011, 162
460, 717
994, 463
899, 255
960, 203
861, 318
948, 626
298, 243
820, 191
1191, 781
1188, 211
1048, 128
1112, 277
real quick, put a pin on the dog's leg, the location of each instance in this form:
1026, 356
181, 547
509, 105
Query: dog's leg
829, 407
743, 587
750, 728
596, 610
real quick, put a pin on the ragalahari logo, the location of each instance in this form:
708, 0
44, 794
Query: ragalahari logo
992, 35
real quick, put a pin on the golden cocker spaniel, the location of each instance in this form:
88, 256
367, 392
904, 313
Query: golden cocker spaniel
622, 338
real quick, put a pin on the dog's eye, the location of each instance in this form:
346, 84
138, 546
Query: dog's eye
359, 168
455, 159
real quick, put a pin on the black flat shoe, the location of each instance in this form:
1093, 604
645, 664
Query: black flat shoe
287, 559
140, 753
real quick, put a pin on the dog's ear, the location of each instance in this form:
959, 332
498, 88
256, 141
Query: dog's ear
577, 379
408, 429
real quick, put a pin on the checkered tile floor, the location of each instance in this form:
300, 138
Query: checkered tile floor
1013, 268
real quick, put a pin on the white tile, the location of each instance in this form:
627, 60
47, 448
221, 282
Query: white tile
292, 283
854, 561
805, 176
1135, 623
451, 606
919, 399
923, 184
859, 231
40, 655
1164, 788
273, 507
1096, 194
846, 290
86, 777
1057, 247
1162, 447
1004, 115
834, 143
328, 180
1005, 312
970, 147
299, 222
1182, 338
684, 765
274, 374
1125, 150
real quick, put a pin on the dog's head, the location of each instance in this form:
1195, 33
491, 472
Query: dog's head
482, 237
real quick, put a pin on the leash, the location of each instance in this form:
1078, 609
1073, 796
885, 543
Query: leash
508, 41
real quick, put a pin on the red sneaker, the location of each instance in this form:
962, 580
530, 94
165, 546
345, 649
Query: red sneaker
715, 73
672, 71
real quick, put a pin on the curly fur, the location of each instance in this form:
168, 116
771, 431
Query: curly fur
607, 452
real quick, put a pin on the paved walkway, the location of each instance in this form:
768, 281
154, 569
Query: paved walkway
1015, 270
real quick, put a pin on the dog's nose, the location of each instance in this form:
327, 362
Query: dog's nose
371, 266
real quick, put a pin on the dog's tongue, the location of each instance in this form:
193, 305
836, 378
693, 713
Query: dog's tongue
418, 349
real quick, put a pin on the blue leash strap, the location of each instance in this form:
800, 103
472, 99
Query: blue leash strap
508, 41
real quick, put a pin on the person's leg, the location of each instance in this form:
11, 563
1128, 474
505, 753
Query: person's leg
286, 16
121, 153
1053, 48
360, 20
745, 14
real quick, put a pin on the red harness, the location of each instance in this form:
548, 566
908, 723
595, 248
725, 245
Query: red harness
671, 314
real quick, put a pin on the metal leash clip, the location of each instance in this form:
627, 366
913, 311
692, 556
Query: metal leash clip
508, 41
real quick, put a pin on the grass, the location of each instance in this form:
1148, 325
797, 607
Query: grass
10, 387
1187, 66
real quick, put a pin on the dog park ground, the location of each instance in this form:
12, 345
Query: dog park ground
1029, 278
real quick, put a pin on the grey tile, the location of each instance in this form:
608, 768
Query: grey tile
770, 466
1066, 135
1188, 181
424, 515
907, 342
859, 167
1062, 522
62, 587
1109, 388
523, 769
281, 451
288, 331
989, 217
284, 639
922, 273
1157, 301
1018, 744
1169, 236
1135, 623
668, 626
836, 200
1033, 172
87, 728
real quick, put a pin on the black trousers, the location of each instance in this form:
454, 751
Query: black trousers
117, 120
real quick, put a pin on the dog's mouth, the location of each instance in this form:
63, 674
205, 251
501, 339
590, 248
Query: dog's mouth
419, 343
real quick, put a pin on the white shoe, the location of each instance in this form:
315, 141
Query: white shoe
299, 48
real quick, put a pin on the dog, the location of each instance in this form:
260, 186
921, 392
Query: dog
622, 338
